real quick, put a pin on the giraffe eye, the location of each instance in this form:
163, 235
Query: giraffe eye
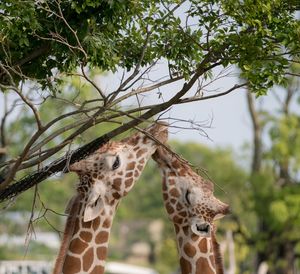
187, 198
116, 163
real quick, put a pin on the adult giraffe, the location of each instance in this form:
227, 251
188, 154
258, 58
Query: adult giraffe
105, 177
192, 207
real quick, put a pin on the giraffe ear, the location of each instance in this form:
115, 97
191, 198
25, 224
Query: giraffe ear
93, 210
95, 202
219, 216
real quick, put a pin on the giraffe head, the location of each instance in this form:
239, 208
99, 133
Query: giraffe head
188, 198
192, 207
110, 172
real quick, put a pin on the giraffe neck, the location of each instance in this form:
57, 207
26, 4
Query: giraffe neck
86, 243
196, 253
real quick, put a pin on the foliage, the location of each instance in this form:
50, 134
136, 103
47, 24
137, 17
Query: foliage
257, 36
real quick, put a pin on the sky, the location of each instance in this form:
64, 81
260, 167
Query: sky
225, 119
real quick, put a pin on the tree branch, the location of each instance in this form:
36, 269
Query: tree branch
89, 148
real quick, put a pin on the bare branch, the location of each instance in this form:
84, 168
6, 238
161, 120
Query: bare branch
198, 98
60, 164
146, 89
93, 84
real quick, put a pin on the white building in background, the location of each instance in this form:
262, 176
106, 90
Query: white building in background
25, 267
120, 268
44, 267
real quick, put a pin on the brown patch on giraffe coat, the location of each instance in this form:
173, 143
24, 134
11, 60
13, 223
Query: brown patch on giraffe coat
165, 195
203, 245
86, 224
203, 265
116, 195
177, 229
182, 213
98, 269
106, 223
186, 230
194, 237
174, 192
77, 246
186, 266
129, 182
179, 206
145, 140
175, 164
125, 193
88, 259
141, 152
120, 173
136, 173
177, 219
71, 265
117, 183
86, 236
130, 166
140, 167
142, 161
96, 223
164, 186
101, 253
172, 174
102, 237
129, 174
169, 208
189, 250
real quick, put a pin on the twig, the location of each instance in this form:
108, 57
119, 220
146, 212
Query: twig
59, 165
93, 84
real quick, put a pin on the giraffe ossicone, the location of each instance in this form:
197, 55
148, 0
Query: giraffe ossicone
192, 207
105, 176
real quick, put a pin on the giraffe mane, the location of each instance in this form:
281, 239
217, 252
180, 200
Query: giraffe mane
217, 253
72, 210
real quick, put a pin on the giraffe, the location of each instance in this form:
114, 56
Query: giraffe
105, 177
192, 207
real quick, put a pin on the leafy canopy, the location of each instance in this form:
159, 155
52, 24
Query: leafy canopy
258, 36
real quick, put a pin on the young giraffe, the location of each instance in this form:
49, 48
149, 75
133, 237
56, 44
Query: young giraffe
192, 207
105, 177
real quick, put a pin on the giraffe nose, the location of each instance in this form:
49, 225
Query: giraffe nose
203, 227
200, 227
